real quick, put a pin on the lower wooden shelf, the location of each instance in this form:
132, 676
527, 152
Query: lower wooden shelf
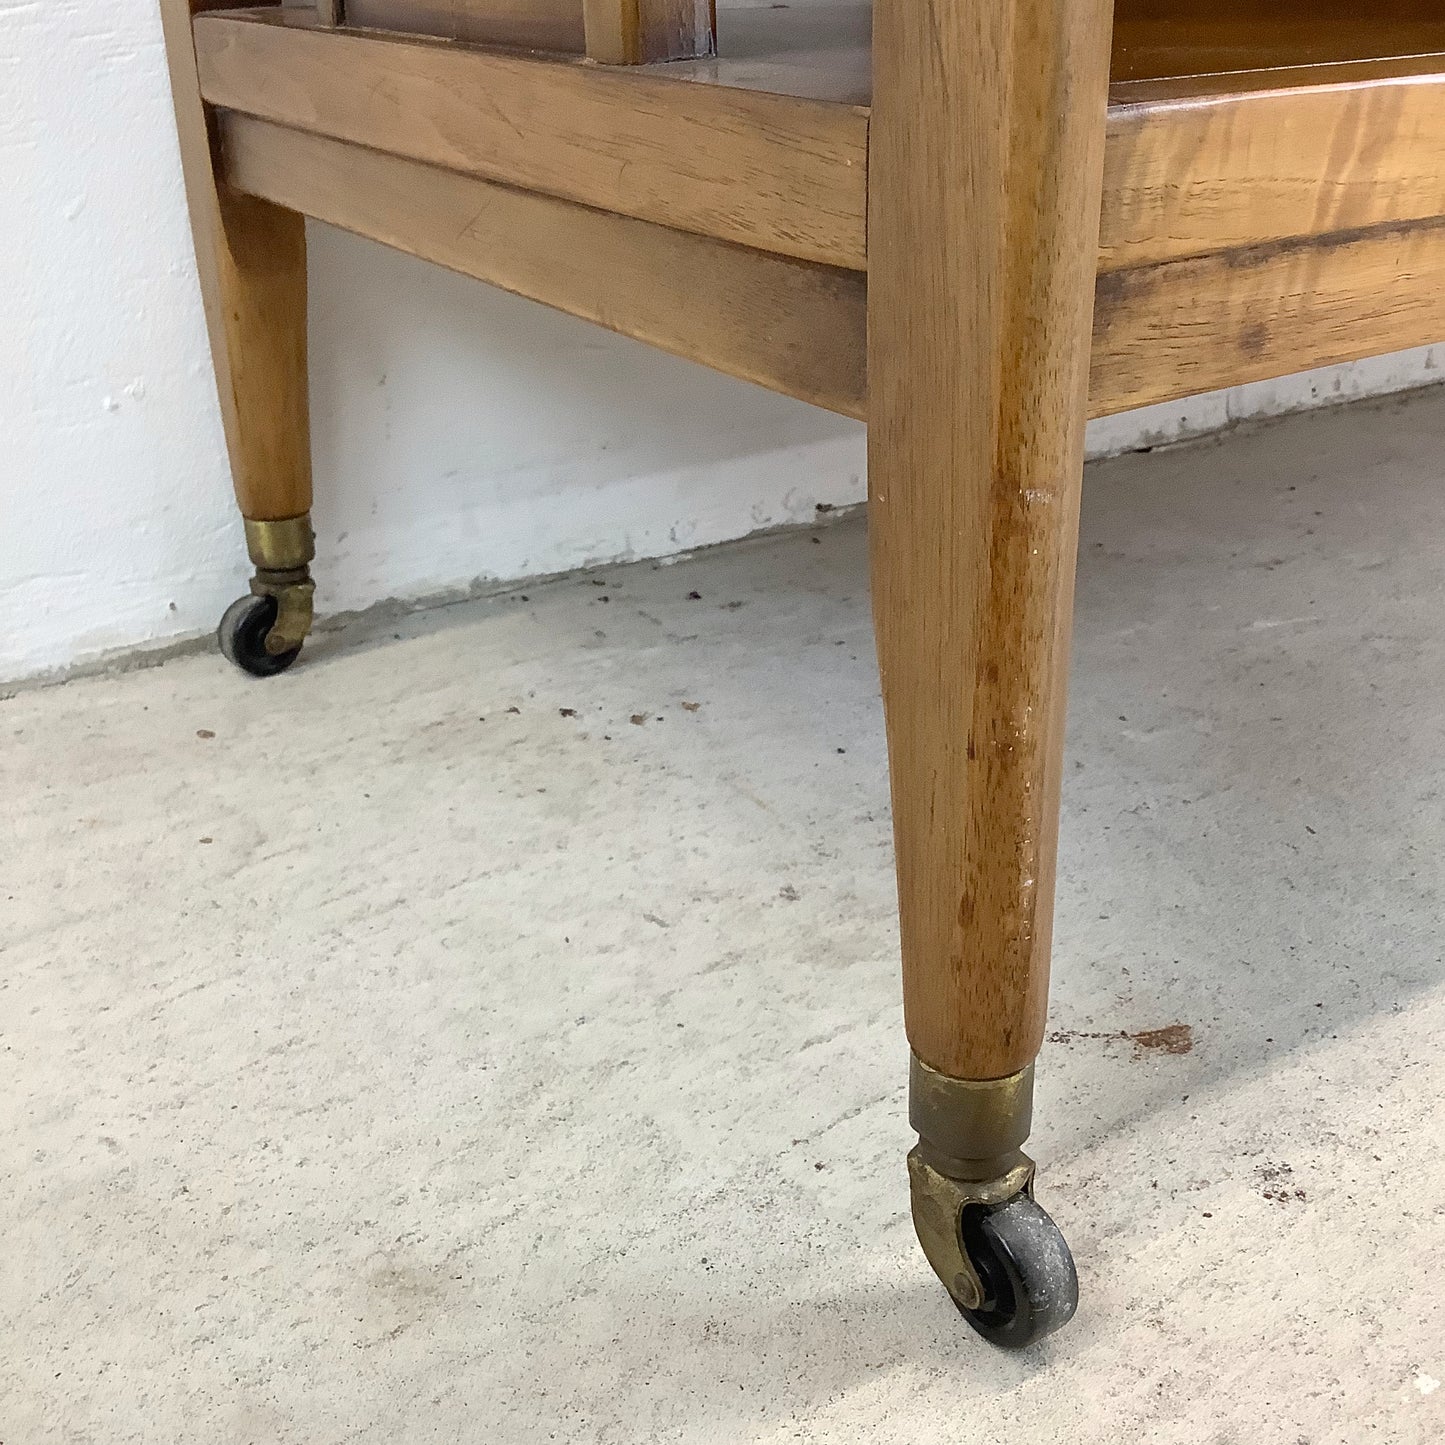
1161, 331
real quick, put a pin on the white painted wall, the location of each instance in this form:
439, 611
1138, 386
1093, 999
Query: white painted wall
461, 436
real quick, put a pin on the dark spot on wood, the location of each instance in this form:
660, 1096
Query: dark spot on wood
1254, 340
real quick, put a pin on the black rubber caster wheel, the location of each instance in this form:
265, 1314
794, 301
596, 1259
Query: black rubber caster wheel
1030, 1288
242, 635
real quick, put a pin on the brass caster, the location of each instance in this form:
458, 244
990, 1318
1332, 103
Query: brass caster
999, 1255
262, 634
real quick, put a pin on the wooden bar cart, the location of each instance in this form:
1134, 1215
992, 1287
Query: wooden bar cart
974, 223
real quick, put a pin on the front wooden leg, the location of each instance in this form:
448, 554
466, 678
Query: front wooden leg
985, 176
251, 258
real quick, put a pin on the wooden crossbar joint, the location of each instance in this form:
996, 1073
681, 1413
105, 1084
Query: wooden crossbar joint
636, 32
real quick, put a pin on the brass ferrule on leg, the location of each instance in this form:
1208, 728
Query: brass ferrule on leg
969, 1152
282, 551
281, 546
971, 1125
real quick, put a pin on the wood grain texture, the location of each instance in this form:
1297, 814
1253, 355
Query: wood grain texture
554, 25
1198, 172
1192, 167
987, 155
251, 258
1185, 37
761, 170
788, 325
1186, 327
1160, 333
635, 32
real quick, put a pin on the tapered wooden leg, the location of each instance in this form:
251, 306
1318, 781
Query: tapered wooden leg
251, 257
985, 175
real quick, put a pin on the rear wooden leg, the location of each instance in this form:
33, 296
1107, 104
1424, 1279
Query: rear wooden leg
251, 257
985, 169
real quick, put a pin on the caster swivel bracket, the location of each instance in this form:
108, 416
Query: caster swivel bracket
282, 552
968, 1152
1000, 1256
262, 632
938, 1205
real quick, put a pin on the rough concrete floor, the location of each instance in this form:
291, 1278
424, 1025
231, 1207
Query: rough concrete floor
491, 1033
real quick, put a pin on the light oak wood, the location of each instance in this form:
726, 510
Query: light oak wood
790, 174
1160, 333
632, 32
761, 170
1191, 326
1200, 170
987, 161
788, 325
251, 258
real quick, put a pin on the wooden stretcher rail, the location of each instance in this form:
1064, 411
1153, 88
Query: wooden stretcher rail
1195, 39
635, 32
1161, 332
789, 174
769, 171
1185, 327
1201, 172
789, 325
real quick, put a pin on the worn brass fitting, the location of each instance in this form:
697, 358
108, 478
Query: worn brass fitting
282, 551
972, 1123
282, 545
968, 1152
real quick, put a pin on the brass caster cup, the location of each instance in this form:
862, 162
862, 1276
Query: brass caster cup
282, 552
